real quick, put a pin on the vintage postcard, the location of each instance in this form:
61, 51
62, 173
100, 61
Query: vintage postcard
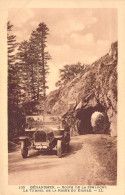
62, 97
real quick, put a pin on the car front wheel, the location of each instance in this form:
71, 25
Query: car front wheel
59, 148
24, 149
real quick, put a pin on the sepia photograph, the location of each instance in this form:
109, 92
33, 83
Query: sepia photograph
62, 96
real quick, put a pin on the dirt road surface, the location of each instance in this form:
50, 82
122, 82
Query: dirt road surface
91, 160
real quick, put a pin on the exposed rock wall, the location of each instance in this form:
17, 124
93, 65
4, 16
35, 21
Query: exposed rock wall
96, 90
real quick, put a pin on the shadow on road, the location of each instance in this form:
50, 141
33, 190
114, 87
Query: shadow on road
74, 146
42, 153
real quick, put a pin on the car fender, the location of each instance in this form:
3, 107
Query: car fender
26, 139
58, 136
22, 138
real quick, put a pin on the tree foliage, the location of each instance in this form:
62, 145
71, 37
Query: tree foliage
12, 44
33, 59
69, 72
13, 81
42, 32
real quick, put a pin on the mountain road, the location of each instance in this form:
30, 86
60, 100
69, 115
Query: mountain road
91, 160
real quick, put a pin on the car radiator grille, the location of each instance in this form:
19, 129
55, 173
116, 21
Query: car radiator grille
40, 136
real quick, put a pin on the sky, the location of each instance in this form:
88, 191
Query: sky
76, 34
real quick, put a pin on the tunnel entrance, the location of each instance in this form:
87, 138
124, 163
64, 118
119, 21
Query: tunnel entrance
84, 117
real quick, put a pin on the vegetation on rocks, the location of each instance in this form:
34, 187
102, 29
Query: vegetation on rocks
69, 72
99, 122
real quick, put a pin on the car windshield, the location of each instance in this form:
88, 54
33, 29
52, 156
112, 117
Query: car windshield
43, 120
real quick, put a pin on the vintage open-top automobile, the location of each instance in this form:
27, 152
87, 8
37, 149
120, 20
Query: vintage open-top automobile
45, 132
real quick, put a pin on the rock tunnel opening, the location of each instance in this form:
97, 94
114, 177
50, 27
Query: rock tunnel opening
84, 118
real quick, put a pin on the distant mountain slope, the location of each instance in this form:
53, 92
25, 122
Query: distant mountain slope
96, 90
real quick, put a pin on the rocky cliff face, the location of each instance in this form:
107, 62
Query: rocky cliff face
96, 90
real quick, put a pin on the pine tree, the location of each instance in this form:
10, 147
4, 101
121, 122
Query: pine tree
12, 69
12, 81
43, 31
32, 59
35, 62
24, 72
12, 44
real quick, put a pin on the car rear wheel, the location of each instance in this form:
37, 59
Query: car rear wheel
24, 149
59, 148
